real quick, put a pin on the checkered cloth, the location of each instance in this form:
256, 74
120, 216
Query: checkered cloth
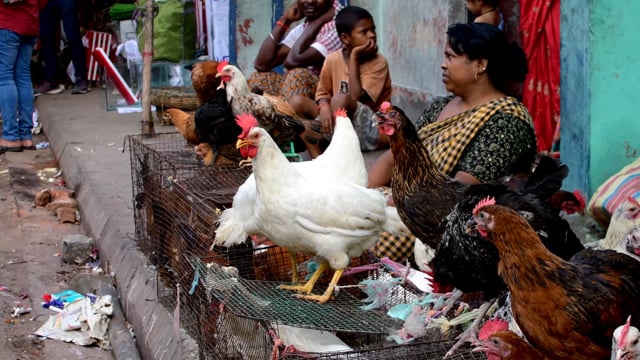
448, 138
327, 40
396, 248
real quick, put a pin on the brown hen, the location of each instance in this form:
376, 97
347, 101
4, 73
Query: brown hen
566, 309
204, 80
184, 122
506, 345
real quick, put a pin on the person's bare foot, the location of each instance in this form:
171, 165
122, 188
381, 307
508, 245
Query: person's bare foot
27, 144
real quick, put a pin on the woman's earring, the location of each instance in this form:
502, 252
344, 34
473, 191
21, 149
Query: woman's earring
475, 77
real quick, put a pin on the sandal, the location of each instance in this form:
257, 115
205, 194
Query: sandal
4, 149
28, 147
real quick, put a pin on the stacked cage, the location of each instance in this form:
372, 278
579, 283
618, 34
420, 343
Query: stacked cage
229, 299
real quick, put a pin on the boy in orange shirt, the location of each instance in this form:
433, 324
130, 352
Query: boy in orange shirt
355, 78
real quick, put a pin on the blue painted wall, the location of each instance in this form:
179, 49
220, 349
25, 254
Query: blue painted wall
599, 89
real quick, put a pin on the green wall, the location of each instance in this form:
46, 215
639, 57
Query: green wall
615, 87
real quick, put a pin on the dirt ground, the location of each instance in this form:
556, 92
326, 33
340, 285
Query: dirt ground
30, 259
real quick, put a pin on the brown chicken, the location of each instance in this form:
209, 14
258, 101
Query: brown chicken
184, 122
566, 309
423, 195
506, 345
204, 80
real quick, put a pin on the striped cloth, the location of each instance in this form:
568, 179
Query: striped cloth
96, 40
613, 192
448, 138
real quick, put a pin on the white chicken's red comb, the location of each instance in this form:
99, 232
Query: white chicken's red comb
385, 106
633, 200
622, 342
221, 65
246, 122
489, 200
342, 112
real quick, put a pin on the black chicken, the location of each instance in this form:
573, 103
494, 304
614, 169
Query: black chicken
216, 126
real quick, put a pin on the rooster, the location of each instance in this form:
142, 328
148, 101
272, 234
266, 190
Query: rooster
342, 161
566, 309
273, 114
184, 122
204, 80
626, 342
506, 345
345, 219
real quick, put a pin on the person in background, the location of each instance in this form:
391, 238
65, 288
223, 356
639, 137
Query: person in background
355, 78
476, 134
486, 11
301, 50
18, 32
479, 64
50, 16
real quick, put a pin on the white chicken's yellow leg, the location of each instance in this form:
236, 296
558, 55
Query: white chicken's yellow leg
294, 267
328, 293
308, 286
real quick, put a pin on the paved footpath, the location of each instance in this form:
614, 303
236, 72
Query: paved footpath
88, 142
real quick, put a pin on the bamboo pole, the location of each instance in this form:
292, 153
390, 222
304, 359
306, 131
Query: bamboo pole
147, 56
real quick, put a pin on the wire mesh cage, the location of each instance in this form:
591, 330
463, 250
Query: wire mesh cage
230, 302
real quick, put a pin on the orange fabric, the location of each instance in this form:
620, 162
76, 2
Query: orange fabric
540, 30
374, 77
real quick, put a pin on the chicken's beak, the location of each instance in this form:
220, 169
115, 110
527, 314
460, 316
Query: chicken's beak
479, 346
219, 74
241, 143
621, 354
470, 226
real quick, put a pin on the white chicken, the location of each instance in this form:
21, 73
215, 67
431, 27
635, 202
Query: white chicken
626, 342
330, 219
623, 219
341, 161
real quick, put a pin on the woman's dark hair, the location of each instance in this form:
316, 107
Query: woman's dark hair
348, 17
506, 62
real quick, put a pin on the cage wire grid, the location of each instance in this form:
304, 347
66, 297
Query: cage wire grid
177, 202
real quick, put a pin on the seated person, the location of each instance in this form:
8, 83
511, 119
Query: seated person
355, 78
486, 11
479, 133
301, 51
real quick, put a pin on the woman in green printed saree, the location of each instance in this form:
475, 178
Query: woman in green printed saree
478, 133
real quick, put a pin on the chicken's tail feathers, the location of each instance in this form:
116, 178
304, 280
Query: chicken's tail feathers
393, 224
547, 177
230, 231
